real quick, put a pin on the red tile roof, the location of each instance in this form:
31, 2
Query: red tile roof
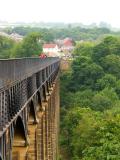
68, 39
52, 45
68, 43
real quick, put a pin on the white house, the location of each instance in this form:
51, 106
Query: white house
50, 48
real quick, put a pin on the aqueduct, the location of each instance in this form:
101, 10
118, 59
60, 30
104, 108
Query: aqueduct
29, 109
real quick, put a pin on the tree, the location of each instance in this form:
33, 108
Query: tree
84, 49
31, 46
113, 43
100, 51
117, 88
47, 36
92, 135
110, 45
105, 99
111, 64
85, 73
81, 98
6, 46
107, 146
108, 80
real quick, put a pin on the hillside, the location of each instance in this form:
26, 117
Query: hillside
90, 103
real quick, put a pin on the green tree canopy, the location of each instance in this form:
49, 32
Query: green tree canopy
105, 99
6, 46
90, 124
29, 47
83, 49
85, 73
108, 80
111, 64
92, 135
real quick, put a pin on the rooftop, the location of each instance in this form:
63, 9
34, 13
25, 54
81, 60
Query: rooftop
51, 45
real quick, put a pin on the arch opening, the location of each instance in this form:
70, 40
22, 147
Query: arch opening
44, 92
19, 133
19, 148
32, 124
47, 83
39, 101
31, 113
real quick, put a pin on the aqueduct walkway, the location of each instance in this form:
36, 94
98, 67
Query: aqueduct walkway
29, 109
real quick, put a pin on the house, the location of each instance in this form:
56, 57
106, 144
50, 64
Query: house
50, 48
16, 37
68, 45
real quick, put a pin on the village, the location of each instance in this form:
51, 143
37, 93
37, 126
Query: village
61, 48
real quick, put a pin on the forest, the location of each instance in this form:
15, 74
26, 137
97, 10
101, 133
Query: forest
90, 102
90, 89
76, 33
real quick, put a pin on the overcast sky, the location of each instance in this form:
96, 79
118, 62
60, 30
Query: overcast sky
84, 11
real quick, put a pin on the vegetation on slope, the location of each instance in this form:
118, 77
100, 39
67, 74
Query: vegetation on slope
90, 103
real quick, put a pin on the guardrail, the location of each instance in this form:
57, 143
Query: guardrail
17, 69
19, 80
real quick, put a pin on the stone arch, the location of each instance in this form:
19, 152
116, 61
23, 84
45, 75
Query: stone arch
44, 92
47, 85
19, 145
32, 124
19, 132
32, 112
39, 99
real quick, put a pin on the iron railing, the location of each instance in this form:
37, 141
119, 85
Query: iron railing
19, 80
12, 70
